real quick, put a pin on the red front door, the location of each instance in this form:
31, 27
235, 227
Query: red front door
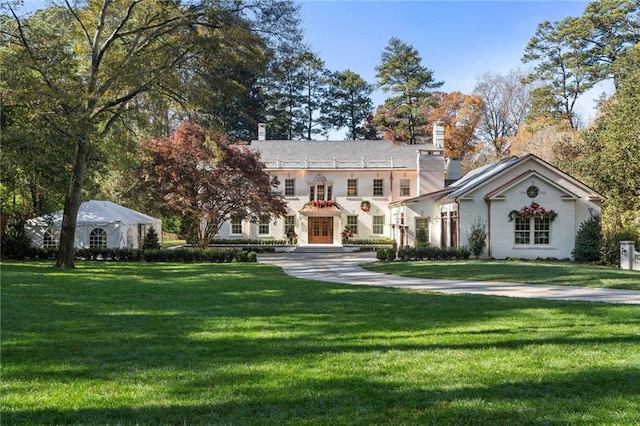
320, 230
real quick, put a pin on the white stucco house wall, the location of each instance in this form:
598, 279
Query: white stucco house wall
346, 173
410, 186
529, 208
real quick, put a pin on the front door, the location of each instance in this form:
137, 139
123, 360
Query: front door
320, 230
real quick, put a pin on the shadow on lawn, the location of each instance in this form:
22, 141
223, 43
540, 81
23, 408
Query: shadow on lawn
565, 400
66, 326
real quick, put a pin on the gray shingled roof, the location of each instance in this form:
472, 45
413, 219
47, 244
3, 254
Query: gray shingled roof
287, 154
479, 175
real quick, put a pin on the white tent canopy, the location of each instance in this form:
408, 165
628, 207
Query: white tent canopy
99, 224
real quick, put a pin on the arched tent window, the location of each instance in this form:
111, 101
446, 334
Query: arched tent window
98, 238
49, 239
130, 238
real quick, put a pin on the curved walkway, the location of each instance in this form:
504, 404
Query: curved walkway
344, 268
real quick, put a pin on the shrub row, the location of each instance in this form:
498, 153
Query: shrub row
423, 253
372, 242
153, 255
240, 242
433, 253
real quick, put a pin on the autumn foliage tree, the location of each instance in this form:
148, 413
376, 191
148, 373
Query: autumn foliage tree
460, 115
206, 181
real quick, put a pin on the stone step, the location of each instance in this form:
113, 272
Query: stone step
319, 248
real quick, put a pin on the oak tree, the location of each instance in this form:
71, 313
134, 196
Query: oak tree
505, 107
83, 65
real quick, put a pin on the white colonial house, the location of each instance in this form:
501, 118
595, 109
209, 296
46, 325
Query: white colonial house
379, 189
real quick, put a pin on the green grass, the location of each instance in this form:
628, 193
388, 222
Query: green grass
552, 273
173, 243
243, 344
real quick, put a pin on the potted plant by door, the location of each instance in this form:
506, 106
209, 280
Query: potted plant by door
365, 205
346, 234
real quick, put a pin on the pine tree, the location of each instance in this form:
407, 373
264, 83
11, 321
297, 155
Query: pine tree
151, 240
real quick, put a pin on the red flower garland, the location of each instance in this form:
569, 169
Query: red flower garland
534, 210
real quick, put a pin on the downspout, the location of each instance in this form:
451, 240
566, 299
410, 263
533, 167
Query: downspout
459, 221
488, 201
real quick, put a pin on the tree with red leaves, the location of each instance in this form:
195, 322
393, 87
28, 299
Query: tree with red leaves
207, 181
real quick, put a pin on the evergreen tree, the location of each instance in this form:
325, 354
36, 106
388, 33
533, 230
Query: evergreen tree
410, 83
588, 240
151, 241
348, 104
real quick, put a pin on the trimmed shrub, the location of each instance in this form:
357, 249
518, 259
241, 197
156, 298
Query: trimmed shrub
422, 237
478, 237
15, 243
433, 253
588, 241
148, 255
371, 242
245, 242
386, 254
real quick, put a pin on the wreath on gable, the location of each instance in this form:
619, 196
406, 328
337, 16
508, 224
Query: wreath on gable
534, 210
365, 206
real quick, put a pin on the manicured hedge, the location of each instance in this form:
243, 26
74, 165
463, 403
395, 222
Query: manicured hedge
152, 255
423, 253
240, 242
371, 242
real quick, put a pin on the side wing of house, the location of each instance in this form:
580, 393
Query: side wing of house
530, 210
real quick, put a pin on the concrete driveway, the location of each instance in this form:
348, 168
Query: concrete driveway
344, 268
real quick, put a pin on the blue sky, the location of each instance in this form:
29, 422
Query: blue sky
458, 40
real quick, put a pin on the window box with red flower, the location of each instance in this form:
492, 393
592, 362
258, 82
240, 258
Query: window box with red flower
533, 210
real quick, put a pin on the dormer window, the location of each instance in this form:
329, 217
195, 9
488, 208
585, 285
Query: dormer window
320, 189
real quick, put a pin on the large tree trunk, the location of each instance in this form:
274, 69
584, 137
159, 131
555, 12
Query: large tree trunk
71, 206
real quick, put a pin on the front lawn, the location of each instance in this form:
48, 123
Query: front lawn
512, 271
244, 344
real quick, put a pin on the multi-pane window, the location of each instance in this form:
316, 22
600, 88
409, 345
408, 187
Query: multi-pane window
320, 192
378, 224
539, 233
352, 223
378, 188
541, 228
289, 223
422, 223
522, 230
352, 187
263, 226
236, 227
98, 238
289, 187
405, 187
49, 238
